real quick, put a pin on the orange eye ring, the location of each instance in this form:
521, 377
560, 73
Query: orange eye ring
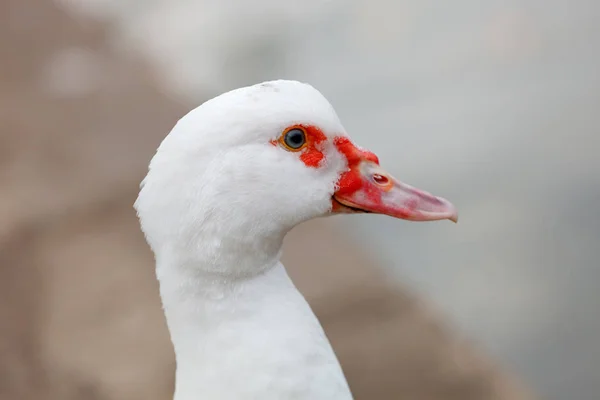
294, 138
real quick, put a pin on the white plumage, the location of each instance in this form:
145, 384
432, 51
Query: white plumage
221, 193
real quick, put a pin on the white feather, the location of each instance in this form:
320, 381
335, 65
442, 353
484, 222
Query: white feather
216, 203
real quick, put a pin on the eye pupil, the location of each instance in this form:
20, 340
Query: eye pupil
295, 138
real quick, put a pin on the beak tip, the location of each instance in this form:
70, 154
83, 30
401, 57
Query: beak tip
454, 216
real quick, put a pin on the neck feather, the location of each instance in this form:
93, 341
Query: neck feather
256, 331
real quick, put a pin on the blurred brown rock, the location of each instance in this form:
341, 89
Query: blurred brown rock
80, 316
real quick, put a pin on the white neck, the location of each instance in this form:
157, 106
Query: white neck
246, 338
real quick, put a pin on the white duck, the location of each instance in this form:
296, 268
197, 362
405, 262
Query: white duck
225, 186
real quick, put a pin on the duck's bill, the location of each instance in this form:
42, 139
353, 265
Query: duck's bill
366, 187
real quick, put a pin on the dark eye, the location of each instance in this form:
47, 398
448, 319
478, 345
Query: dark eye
294, 138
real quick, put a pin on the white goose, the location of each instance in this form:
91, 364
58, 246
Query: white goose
225, 186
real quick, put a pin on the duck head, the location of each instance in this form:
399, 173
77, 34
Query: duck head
238, 172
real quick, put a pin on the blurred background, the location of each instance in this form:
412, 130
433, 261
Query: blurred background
491, 104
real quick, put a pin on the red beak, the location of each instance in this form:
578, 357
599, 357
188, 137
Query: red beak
366, 187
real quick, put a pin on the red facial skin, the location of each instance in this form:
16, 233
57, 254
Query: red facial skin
350, 181
364, 186
312, 155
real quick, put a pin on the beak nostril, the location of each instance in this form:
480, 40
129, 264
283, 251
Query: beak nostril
380, 179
